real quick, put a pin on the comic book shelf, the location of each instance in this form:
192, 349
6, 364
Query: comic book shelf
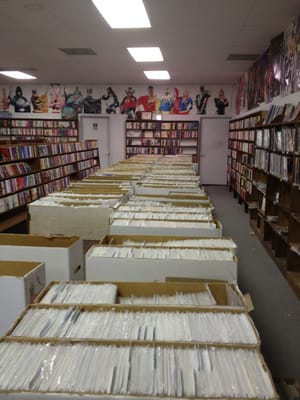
29, 171
272, 192
241, 156
162, 137
41, 130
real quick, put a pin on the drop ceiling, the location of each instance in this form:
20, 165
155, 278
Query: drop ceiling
195, 36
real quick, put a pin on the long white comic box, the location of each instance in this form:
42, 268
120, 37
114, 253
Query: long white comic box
139, 322
175, 291
166, 228
43, 370
223, 242
156, 264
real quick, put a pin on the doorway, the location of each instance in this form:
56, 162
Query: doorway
213, 150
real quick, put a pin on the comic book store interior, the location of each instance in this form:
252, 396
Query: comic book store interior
149, 199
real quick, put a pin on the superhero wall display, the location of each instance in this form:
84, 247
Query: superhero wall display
69, 101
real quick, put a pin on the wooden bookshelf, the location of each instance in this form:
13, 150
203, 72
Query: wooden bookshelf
274, 201
30, 171
162, 137
241, 155
38, 130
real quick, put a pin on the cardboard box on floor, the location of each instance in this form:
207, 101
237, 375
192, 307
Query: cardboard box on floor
63, 255
20, 283
225, 294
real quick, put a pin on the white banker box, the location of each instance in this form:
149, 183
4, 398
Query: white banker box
20, 283
63, 256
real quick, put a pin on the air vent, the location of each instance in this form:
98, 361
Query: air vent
242, 57
78, 51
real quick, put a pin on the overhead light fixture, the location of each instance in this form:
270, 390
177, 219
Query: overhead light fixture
157, 74
123, 14
146, 54
17, 75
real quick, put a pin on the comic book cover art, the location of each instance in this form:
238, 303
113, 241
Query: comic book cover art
274, 70
289, 58
296, 83
251, 86
261, 68
241, 95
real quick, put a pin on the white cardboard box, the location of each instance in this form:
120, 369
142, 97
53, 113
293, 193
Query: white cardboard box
88, 222
63, 256
20, 283
157, 270
180, 230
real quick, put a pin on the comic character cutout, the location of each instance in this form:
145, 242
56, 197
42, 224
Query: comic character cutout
166, 102
221, 103
148, 102
112, 102
129, 103
202, 100
91, 105
39, 103
20, 102
182, 104
73, 104
56, 98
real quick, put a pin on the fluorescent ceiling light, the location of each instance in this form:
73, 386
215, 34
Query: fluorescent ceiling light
144, 54
17, 75
157, 74
123, 14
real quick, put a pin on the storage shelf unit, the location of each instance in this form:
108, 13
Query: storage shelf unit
162, 137
38, 130
240, 156
30, 171
274, 201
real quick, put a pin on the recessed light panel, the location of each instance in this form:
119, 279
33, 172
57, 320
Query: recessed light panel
157, 74
145, 54
123, 14
17, 75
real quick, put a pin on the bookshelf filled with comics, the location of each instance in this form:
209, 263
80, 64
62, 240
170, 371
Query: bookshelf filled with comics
29, 171
38, 130
273, 198
162, 137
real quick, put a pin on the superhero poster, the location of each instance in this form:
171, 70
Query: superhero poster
289, 60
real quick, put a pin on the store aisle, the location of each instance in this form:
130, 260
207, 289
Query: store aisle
276, 308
